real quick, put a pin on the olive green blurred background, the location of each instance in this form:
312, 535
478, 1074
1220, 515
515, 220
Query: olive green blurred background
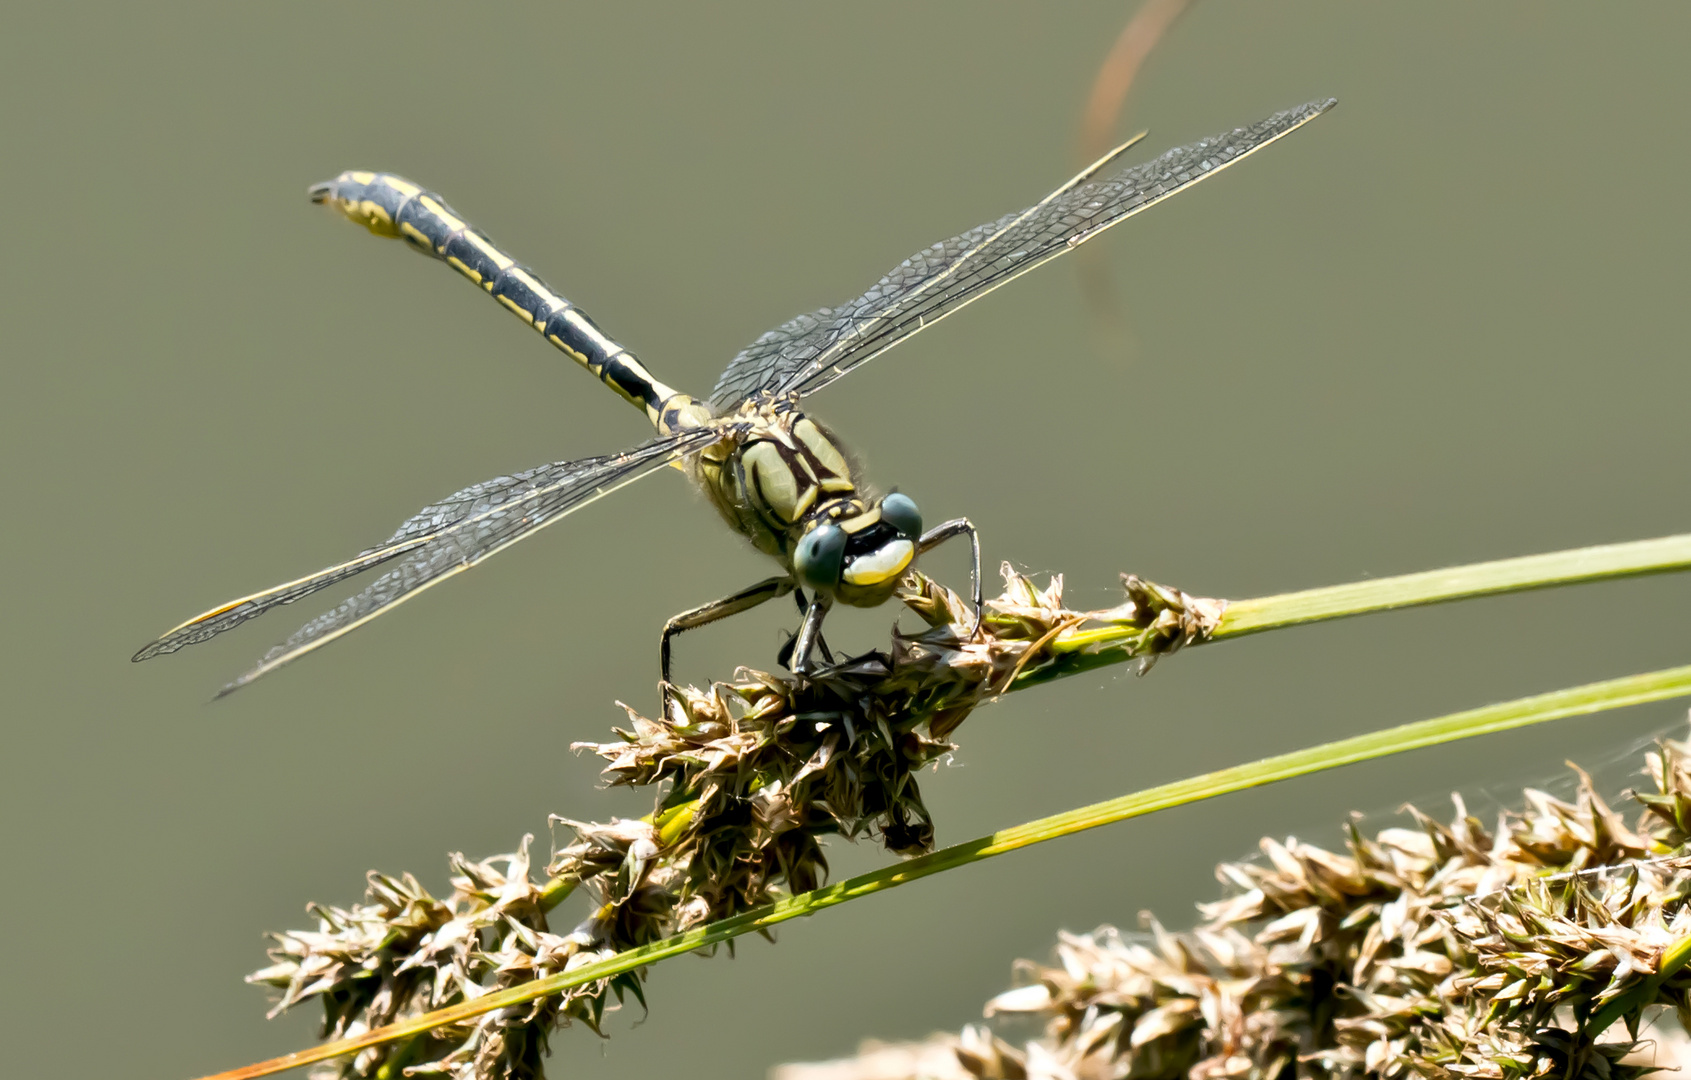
1443, 323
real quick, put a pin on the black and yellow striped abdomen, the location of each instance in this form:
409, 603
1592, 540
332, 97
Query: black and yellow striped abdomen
390, 205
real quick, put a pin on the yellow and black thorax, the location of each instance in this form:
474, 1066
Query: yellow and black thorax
782, 477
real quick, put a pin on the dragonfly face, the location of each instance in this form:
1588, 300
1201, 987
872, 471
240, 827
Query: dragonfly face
776, 476
858, 557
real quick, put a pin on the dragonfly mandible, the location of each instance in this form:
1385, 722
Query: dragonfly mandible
776, 475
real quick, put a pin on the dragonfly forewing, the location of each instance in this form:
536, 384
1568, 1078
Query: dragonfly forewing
224, 617
807, 353
437, 542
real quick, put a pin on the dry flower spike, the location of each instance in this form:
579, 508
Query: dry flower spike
1441, 951
750, 776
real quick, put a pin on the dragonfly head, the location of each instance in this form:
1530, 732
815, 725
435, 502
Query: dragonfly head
858, 560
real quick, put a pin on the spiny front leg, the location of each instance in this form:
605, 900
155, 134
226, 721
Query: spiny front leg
786, 653
944, 531
744, 600
810, 632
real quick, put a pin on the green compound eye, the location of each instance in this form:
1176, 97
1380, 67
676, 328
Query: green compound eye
900, 512
820, 557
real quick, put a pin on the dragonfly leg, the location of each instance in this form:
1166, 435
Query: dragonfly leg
744, 600
944, 531
786, 652
810, 632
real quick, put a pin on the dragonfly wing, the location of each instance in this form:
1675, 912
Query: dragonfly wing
205, 626
812, 351
436, 543
768, 361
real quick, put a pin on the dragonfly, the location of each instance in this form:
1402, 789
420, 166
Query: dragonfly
777, 476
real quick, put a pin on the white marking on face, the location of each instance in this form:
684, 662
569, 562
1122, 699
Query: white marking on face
881, 565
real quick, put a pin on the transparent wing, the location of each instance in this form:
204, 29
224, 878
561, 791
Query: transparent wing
813, 350
434, 544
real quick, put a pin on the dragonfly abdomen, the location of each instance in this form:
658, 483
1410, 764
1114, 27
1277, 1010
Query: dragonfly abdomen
393, 206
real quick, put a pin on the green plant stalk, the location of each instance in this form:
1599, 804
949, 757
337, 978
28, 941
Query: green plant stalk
1635, 559
1576, 701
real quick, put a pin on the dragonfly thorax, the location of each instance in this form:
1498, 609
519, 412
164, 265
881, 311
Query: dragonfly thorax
783, 481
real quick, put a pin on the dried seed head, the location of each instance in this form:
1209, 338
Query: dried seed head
1441, 951
749, 776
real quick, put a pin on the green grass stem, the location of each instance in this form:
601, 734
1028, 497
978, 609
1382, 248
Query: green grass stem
1572, 567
